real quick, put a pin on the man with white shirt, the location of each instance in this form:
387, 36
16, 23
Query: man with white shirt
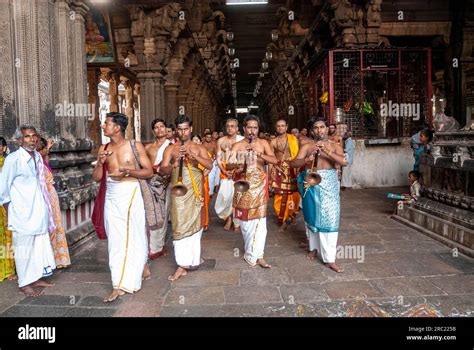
24, 195
155, 152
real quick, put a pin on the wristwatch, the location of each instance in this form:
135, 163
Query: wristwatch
127, 173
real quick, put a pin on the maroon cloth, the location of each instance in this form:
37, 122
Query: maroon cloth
97, 216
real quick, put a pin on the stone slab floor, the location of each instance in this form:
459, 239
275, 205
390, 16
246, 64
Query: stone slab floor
397, 272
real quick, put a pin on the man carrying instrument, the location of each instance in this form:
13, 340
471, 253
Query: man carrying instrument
155, 153
225, 195
287, 197
250, 201
321, 204
181, 160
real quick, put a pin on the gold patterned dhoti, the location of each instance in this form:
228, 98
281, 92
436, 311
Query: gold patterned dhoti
187, 211
252, 204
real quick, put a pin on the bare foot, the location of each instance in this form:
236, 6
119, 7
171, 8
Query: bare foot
263, 263
12, 278
179, 273
304, 244
284, 227
114, 295
228, 223
334, 267
312, 255
146, 272
237, 230
29, 291
42, 283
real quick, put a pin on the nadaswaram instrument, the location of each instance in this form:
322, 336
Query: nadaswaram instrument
179, 189
312, 177
243, 185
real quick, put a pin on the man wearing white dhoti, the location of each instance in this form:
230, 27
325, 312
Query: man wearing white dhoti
125, 216
251, 205
321, 201
187, 211
160, 183
24, 195
223, 206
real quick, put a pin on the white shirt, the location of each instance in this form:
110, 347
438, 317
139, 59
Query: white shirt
20, 186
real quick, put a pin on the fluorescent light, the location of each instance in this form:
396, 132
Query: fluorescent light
246, 2
242, 110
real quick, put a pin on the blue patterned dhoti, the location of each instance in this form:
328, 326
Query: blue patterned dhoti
321, 211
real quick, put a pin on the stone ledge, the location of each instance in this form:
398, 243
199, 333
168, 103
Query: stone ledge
78, 237
455, 236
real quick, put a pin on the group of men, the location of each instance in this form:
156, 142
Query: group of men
143, 187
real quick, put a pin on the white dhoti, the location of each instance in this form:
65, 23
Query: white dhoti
187, 250
255, 234
346, 180
325, 243
124, 217
224, 199
158, 237
213, 177
34, 257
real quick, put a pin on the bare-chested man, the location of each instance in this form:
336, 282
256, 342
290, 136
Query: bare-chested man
333, 136
171, 133
287, 197
211, 148
225, 195
187, 212
215, 136
321, 203
251, 206
155, 152
124, 209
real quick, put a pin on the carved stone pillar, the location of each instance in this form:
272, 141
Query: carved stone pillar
130, 132
151, 102
114, 81
171, 93
93, 125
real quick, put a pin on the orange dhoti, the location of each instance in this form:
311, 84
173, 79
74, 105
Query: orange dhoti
287, 198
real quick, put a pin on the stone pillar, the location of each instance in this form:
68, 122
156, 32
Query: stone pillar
43, 80
130, 132
136, 111
114, 81
171, 93
93, 99
151, 102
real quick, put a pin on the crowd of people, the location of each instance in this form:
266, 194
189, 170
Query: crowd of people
172, 180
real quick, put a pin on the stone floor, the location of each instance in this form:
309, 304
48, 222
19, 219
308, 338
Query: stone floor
390, 270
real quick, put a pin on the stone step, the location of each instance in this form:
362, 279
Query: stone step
446, 232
